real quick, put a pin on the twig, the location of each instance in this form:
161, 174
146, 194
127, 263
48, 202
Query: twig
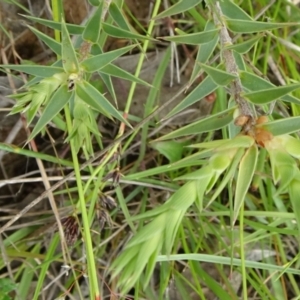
230, 64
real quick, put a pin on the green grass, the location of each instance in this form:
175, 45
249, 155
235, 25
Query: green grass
208, 208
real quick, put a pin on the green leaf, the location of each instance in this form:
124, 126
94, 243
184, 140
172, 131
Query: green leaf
97, 62
46, 264
233, 11
223, 260
183, 198
109, 85
94, 2
245, 46
292, 146
206, 87
200, 174
193, 38
91, 31
204, 51
50, 42
59, 99
282, 126
269, 95
115, 71
150, 266
255, 83
220, 77
177, 8
69, 58
152, 229
118, 17
15, 149
41, 71
281, 160
34, 106
123, 34
72, 29
28, 274
207, 124
96, 100
294, 192
170, 149
243, 26
161, 169
239, 141
230, 173
287, 173
174, 218
7, 285
221, 160
246, 171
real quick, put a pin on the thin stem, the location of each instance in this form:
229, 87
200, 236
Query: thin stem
230, 64
142, 57
57, 9
92, 272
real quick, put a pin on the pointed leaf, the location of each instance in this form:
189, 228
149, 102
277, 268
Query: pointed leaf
282, 126
35, 70
147, 250
194, 38
162, 169
204, 51
59, 99
50, 42
91, 31
239, 141
96, 100
207, 124
94, 2
206, 87
97, 62
109, 85
121, 33
118, 17
174, 220
255, 83
269, 95
246, 171
245, 46
177, 8
69, 58
184, 197
28, 153
294, 192
152, 229
220, 77
151, 266
200, 174
115, 71
287, 174
170, 149
292, 146
72, 29
233, 11
230, 173
280, 159
243, 26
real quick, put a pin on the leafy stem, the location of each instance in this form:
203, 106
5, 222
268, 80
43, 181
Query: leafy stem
230, 63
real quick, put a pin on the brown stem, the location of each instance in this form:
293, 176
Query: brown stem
230, 64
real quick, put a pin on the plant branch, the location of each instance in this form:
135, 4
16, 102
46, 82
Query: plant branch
236, 88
